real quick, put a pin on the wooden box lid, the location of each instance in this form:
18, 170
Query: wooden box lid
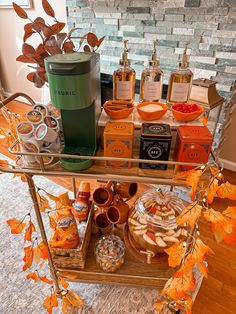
194, 134
119, 128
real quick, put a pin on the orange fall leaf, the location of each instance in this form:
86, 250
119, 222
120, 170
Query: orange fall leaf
33, 276
16, 226
28, 231
73, 298
28, 257
211, 191
192, 178
223, 224
63, 283
180, 284
205, 121
216, 172
176, 253
43, 251
200, 250
50, 302
43, 202
189, 215
227, 190
230, 212
46, 280
22, 176
3, 163
63, 200
37, 254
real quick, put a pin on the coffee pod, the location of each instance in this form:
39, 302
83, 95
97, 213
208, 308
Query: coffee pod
43, 109
25, 130
35, 117
29, 146
52, 123
55, 146
44, 133
46, 159
53, 111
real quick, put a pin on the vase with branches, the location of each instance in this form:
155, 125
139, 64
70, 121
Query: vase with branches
53, 40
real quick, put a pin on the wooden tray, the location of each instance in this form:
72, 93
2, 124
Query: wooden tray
132, 272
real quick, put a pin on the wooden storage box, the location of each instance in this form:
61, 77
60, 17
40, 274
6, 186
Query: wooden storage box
74, 258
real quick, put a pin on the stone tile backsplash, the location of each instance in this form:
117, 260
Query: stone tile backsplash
209, 26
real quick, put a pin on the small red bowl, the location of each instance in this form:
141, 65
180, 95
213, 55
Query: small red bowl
120, 113
152, 115
186, 116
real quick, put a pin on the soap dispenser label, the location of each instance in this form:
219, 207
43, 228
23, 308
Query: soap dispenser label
124, 89
152, 91
179, 91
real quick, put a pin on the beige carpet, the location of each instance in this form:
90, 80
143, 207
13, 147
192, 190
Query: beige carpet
21, 296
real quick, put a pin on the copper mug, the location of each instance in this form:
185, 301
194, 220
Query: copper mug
118, 212
100, 219
126, 189
103, 196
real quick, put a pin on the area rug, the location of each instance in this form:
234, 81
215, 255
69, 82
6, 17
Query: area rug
21, 296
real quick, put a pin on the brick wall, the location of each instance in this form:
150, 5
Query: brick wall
209, 26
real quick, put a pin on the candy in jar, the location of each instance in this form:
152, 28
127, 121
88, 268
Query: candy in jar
81, 206
109, 252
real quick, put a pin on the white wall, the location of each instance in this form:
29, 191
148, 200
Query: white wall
13, 73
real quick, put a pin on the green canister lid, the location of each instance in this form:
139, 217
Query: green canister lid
73, 78
75, 63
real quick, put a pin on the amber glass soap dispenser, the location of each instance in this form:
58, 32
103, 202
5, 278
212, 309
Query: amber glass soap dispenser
152, 79
180, 82
124, 78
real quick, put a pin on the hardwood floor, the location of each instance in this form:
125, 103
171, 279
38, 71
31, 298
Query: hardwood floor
218, 292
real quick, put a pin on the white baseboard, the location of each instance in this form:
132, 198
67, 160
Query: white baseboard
229, 165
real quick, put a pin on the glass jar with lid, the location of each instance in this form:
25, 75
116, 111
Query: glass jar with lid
152, 222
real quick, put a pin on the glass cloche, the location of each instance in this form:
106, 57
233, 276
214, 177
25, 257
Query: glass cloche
152, 222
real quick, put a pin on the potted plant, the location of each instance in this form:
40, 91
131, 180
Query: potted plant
53, 40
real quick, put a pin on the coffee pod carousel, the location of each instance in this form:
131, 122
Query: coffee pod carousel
152, 225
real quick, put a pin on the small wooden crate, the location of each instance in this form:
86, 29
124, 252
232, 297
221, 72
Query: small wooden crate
74, 258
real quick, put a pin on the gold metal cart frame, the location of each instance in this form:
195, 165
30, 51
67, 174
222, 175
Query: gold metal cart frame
132, 272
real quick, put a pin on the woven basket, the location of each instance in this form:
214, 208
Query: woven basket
74, 258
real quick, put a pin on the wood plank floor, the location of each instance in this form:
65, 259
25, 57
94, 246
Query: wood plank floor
218, 292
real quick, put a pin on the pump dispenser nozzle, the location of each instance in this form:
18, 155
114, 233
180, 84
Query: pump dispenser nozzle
185, 63
125, 61
154, 62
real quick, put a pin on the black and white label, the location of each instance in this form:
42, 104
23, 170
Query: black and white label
154, 152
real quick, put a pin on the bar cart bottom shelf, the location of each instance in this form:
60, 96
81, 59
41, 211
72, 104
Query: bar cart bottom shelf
132, 272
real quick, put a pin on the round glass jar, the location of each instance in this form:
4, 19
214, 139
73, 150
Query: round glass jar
109, 253
152, 221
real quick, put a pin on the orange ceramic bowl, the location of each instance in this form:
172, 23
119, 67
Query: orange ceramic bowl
116, 114
152, 115
186, 117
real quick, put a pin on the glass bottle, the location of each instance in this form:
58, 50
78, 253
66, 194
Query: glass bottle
152, 79
180, 82
124, 78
